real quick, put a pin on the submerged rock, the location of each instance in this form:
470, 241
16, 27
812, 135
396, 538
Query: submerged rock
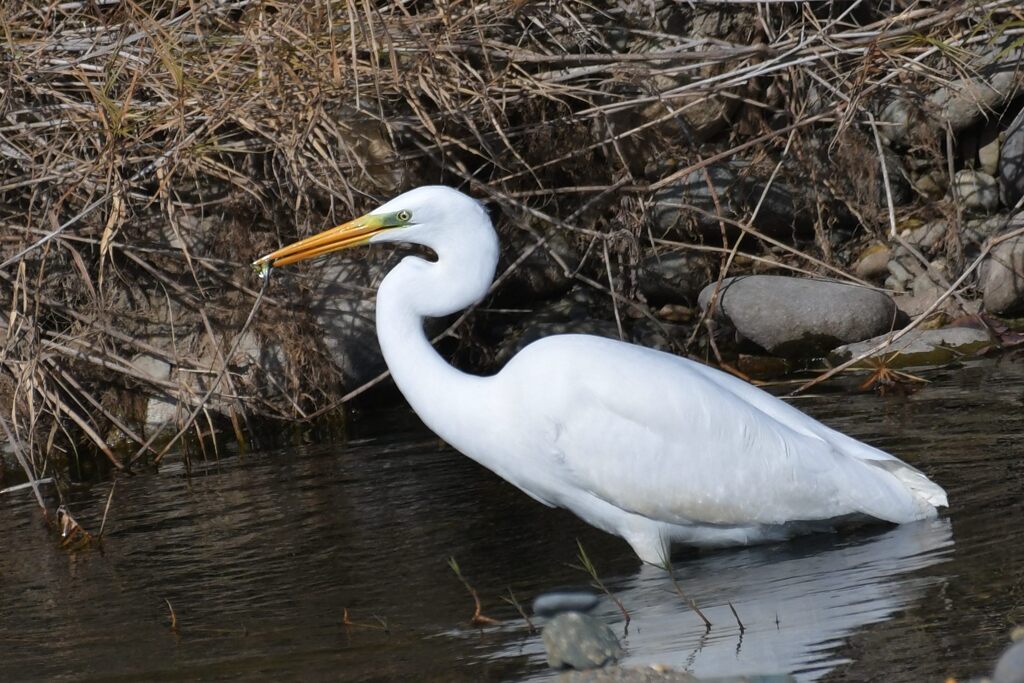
577, 641
1002, 279
798, 317
920, 347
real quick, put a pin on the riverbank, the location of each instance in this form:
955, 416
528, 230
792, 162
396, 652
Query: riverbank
633, 158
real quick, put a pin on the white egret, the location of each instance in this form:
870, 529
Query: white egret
646, 445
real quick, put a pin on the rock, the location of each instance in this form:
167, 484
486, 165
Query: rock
920, 347
797, 317
673, 277
784, 212
619, 674
1011, 162
550, 604
1002, 278
900, 276
927, 237
896, 120
159, 412
577, 641
1010, 665
152, 367
931, 183
959, 105
978, 191
988, 157
965, 101
873, 262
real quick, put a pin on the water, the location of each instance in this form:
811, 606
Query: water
260, 556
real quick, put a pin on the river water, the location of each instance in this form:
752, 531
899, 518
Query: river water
261, 555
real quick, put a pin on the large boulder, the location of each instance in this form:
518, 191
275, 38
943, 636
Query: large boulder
1002, 278
802, 317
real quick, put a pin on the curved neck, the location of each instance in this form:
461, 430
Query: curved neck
446, 399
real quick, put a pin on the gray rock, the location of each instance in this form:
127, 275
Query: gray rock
959, 105
873, 262
159, 411
896, 120
578, 641
1002, 278
798, 317
965, 101
784, 211
978, 191
988, 157
920, 347
548, 605
928, 237
673, 277
1011, 162
154, 368
1010, 665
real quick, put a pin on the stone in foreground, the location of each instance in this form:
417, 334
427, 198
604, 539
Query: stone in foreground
920, 347
1010, 666
577, 641
802, 317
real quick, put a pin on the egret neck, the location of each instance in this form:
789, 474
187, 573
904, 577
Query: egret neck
448, 401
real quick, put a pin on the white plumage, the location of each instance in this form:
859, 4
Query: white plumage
643, 444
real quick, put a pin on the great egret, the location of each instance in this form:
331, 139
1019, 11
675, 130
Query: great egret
646, 445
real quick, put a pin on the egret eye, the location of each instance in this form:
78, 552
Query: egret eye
404, 215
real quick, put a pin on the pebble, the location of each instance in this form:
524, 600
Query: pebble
978, 191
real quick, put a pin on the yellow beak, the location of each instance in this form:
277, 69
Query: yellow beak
351, 234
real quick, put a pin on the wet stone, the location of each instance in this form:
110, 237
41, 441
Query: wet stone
548, 605
920, 347
578, 641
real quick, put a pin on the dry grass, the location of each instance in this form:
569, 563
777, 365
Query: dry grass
150, 149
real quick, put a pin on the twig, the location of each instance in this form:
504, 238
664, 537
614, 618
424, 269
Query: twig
478, 618
587, 566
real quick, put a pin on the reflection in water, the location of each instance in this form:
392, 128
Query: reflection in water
797, 601
260, 556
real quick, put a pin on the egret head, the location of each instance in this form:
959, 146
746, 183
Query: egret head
428, 215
